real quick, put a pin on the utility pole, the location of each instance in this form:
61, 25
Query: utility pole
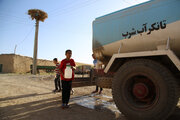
35, 48
15, 49
38, 15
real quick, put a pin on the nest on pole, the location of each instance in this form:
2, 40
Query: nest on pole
37, 14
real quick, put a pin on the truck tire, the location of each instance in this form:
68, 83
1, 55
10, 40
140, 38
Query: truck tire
104, 82
145, 90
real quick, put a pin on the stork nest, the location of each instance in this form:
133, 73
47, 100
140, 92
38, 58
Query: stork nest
37, 14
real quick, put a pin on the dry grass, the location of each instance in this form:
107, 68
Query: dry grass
37, 14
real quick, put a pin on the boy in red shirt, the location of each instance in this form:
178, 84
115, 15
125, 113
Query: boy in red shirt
67, 63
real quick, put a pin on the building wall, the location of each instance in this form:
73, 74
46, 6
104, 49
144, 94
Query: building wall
19, 64
22, 64
7, 61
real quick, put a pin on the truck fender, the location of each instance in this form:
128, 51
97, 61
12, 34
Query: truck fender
169, 53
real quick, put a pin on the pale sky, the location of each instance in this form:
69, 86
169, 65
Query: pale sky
68, 26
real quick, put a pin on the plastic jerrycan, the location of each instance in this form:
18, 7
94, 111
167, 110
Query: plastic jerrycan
68, 72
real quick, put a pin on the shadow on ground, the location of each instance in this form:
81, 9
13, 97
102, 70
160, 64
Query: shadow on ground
50, 109
23, 96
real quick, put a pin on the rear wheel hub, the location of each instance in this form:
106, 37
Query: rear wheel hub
140, 90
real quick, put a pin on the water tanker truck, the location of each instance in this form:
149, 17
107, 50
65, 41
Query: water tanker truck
140, 45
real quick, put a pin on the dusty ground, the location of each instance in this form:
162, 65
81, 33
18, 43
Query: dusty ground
28, 97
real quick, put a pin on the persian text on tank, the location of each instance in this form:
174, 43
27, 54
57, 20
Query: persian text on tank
153, 27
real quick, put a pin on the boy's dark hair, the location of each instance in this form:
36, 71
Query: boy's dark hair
55, 59
68, 51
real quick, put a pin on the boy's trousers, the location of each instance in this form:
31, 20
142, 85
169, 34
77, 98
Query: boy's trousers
66, 89
57, 82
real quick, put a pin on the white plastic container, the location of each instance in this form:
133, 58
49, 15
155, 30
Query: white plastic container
68, 72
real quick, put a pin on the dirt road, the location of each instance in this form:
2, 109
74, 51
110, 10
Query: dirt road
28, 97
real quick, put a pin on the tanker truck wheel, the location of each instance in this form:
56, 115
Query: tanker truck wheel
145, 90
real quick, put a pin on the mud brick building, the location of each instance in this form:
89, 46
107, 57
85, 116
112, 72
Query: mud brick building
12, 63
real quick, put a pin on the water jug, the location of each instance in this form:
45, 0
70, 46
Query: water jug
68, 72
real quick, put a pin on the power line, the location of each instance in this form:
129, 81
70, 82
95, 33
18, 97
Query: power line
71, 11
14, 21
26, 36
10, 15
127, 2
137, 1
6, 17
74, 8
57, 9
68, 7
23, 39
